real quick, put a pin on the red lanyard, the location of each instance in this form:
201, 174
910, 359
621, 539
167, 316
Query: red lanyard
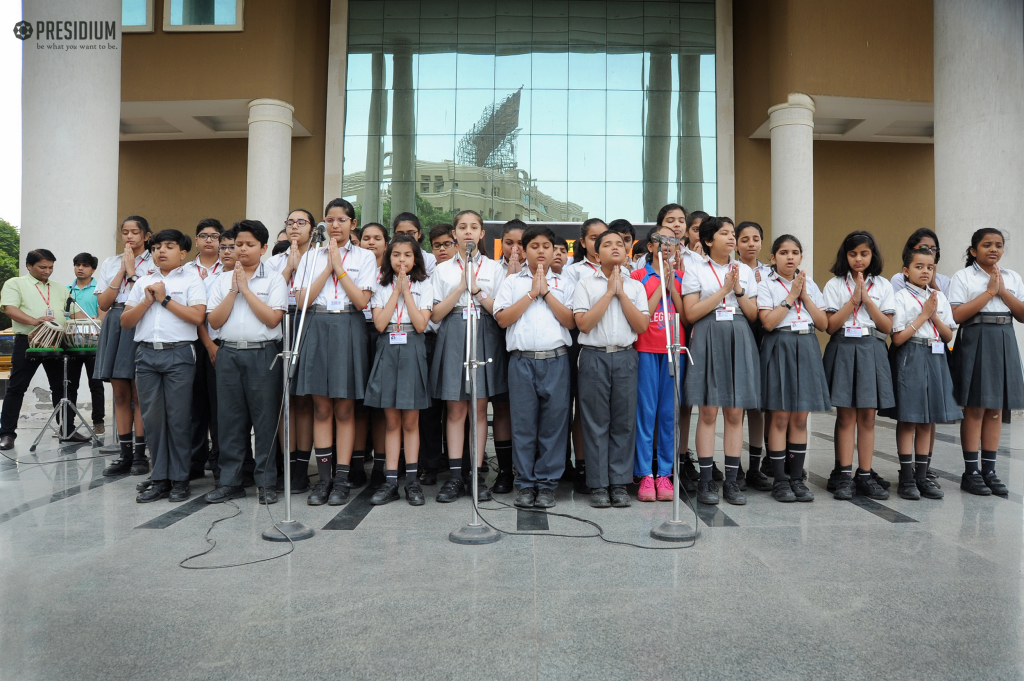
718, 279
46, 298
591, 265
335, 275
914, 295
860, 304
797, 306
398, 309
125, 284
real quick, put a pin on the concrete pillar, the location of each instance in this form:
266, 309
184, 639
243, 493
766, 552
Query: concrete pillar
403, 131
657, 131
725, 109
377, 127
70, 106
690, 161
269, 167
792, 134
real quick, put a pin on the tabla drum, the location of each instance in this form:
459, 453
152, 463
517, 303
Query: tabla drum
46, 336
81, 336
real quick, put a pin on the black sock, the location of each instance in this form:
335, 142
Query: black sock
126, 446
921, 466
455, 465
323, 462
357, 460
863, 475
797, 457
341, 471
378, 461
140, 447
410, 472
838, 468
706, 464
778, 460
732, 465
755, 454
846, 471
906, 467
391, 476
970, 462
503, 450
302, 462
988, 462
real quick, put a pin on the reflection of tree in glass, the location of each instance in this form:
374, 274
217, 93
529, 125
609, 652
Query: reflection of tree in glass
428, 214
10, 242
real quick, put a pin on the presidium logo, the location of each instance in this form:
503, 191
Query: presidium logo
67, 30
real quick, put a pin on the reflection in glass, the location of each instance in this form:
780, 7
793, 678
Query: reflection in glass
551, 110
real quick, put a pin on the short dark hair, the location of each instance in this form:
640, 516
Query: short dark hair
535, 231
254, 227
668, 208
622, 226
419, 269
209, 222
39, 255
709, 227
281, 247
86, 259
407, 217
694, 216
601, 237
514, 223
173, 235
560, 241
440, 230
229, 233
841, 267
749, 223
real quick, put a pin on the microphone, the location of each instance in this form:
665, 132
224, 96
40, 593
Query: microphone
470, 247
320, 233
67, 305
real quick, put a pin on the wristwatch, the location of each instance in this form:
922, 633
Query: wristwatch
132, 279
165, 301
785, 304
742, 293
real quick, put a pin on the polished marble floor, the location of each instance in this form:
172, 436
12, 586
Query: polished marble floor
91, 588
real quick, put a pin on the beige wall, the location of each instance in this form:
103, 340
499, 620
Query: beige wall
871, 49
281, 54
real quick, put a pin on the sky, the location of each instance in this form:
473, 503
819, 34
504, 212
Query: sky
10, 114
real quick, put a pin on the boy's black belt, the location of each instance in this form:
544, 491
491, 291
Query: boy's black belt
164, 346
540, 354
117, 306
607, 348
988, 319
246, 345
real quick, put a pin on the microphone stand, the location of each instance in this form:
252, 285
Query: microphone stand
675, 529
475, 532
288, 529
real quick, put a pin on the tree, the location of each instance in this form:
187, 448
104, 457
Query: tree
10, 243
428, 214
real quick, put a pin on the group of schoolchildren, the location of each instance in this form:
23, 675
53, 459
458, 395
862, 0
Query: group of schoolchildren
578, 348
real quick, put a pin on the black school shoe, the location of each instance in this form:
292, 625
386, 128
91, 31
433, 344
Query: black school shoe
929, 490
140, 465
741, 478
321, 490
882, 482
452, 489
180, 491
869, 486
800, 490
223, 493
428, 477
833, 480
995, 484
759, 481
300, 477
782, 491
122, 465
357, 476
766, 466
525, 498
973, 483
414, 494
843, 490
707, 492
385, 494
907, 489
579, 485
599, 497
482, 492
687, 468
341, 490
732, 493
619, 497
266, 496
503, 484
716, 474
158, 489
546, 499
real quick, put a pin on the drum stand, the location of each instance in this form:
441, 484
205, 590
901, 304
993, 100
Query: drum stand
62, 431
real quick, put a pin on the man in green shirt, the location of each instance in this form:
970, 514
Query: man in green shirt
30, 301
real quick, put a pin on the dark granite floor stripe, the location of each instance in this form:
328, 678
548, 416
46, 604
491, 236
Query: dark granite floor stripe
527, 521
869, 505
55, 497
179, 512
353, 512
955, 440
712, 516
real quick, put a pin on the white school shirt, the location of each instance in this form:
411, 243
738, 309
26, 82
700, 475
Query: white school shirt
971, 282
208, 283
205, 272
367, 311
613, 328
449, 274
538, 329
839, 289
910, 301
422, 292
143, 266
277, 263
429, 262
763, 270
360, 264
899, 282
158, 324
773, 289
575, 271
708, 277
242, 323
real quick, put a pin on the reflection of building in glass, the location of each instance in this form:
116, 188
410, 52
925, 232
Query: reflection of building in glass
450, 186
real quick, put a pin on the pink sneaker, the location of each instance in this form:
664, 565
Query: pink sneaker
646, 492
664, 487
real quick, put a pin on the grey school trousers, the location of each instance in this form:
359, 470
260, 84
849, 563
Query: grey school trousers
539, 391
607, 401
248, 399
164, 381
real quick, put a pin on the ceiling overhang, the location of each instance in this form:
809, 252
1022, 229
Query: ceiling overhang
190, 120
853, 119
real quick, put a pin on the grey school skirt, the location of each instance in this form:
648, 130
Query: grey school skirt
333, 360
857, 371
986, 367
399, 377
792, 377
447, 371
725, 371
115, 352
922, 386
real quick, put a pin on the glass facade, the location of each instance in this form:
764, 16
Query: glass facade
549, 110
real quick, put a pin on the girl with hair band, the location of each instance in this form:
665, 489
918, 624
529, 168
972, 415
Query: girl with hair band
584, 264
398, 381
987, 376
447, 371
298, 227
860, 307
920, 373
333, 363
719, 299
370, 428
409, 225
792, 378
115, 352
655, 393
749, 237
